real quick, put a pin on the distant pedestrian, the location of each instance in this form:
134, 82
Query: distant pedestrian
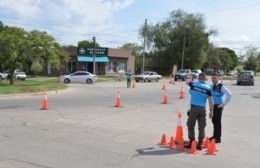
128, 78
199, 92
221, 97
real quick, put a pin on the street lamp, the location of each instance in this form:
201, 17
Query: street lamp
94, 55
183, 47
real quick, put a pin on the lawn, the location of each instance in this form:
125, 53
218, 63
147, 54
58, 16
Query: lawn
31, 85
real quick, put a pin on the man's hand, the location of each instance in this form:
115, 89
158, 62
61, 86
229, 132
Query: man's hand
221, 105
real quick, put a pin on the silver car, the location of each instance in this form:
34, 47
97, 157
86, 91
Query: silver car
79, 77
18, 74
148, 76
246, 77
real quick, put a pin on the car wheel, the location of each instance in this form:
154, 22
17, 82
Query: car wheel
66, 81
89, 81
252, 84
238, 83
146, 80
137, 80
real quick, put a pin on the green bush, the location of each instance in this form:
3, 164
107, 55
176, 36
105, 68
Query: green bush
239, 68
36, 69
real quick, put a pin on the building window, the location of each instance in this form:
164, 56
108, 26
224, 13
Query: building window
111, 67
72, 66
122, 67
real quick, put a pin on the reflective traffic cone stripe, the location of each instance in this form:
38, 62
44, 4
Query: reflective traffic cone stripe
45, 102
179, 130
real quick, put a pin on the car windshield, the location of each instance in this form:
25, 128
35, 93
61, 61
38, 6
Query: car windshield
245, 73
182, 71
145, 73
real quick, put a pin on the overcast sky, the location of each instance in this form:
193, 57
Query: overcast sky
115, 22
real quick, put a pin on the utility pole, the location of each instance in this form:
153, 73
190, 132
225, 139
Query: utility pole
144, 33
94, 55
183, 50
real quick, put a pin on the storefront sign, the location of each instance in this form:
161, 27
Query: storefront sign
90, 51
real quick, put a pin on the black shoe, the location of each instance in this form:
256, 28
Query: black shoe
199, 145
211, 138
188, 145
218, 140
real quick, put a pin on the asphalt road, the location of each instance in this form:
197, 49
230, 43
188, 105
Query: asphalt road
83, 129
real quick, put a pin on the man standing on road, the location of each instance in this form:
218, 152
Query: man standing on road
199, 92
128, 78
221, 97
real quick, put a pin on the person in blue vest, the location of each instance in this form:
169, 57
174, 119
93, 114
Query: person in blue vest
200, 92
128, 78
221, 97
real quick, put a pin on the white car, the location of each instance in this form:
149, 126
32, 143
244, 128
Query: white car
79, 77
148, 76
17, 75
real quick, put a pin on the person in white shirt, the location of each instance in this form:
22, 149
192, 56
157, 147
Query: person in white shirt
221, 97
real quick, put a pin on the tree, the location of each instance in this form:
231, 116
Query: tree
136, 51
1, 26
252, 58
182, 37
18, 47
229, 59
13, 49
87, 44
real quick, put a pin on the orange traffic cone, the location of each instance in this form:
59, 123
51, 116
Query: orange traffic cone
163, 87
179, 131
181, 146
165, 98
212, 148
172, 144
163, 140
206, 144
193, 148
133, 86
45, 102
182, 92
118, 100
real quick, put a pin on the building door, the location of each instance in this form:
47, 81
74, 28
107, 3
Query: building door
90, 67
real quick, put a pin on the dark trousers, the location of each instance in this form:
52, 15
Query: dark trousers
196, 113
128, 83
216, 120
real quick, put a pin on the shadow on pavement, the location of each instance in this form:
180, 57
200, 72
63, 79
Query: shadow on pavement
158, 151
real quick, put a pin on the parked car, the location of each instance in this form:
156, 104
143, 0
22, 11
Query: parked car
182, 74
148, 76
5, 74
246, 77
195, 73
79, 77
18, 74
232, 73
